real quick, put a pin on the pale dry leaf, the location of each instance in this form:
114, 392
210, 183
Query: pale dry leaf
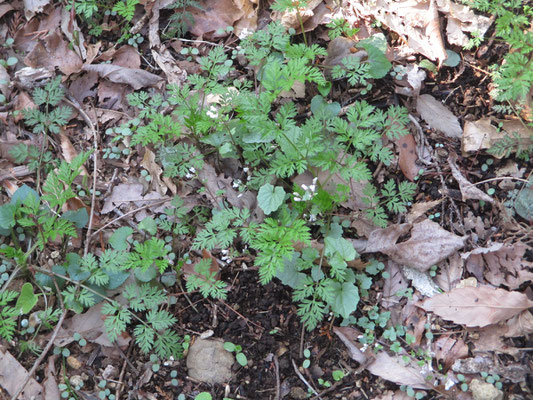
448, 348
32, 7
12, 374
136, 78
502, 264
438, 116
420, 208
483, 363
459, 19
394, 283
433, 33
69, 152
4, 81
450, 273
520, 325
210, 16
5, 8
50, 386
123, 193
382, 239
54, 52
477, 306
348, 336
90, 325
393, 369
483, 133
468, 190
68, 27
149, 164
389, 368
421, 281
428, 245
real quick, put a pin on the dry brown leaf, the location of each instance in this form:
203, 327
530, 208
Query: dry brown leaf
433, 33
123, 193
69, 152
502, 264
90, 325
5, 8
210, 16
447, 349
32, 7
438, 116
407, 157
149, 164
450, 273
477, 306
5, 79
12, 374
428, 245
389, 368
468, 190
483, 133
215, 183
459, 19
136, 78
394, 283
54, 52
420, 208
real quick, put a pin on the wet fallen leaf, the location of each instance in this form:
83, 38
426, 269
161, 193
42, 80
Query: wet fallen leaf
477, 306
394, 283
123, 193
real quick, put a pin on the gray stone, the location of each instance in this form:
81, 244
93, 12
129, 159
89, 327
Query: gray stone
208, 362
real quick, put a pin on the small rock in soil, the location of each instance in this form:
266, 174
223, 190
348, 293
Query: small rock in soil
485, 391
298, 393
208, 362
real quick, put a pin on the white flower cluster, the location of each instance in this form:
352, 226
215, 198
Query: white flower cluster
225, 256
212, 112
191, 174
310, 191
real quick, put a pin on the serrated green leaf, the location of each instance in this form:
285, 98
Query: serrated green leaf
346, 298
145, 275
118, 239
379, 64
270, 198
149, 225
7, 216
79, 217
27, 299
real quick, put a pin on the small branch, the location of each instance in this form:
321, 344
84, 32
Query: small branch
305, 381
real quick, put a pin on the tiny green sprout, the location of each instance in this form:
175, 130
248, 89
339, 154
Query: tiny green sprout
490, 161
484, 167
102, 384
239, 355
155, 367
491, 191
464, 387
337, 375
307, 361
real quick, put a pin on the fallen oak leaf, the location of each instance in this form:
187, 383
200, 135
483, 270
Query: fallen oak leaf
477, 306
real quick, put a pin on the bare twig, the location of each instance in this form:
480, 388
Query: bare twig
151, 204
278, 384
305, 381
95, 169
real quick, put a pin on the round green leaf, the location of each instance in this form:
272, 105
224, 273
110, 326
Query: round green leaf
453, 59
118, 239
241, 359
203, 396
270, 198
228, 346
27, 299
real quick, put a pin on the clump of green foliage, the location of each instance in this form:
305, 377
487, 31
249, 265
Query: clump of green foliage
513, 78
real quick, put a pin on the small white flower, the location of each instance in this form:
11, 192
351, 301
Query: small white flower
212, 112
224, 251
246, 169
244, 33
312, 218
189, 176
192, 170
